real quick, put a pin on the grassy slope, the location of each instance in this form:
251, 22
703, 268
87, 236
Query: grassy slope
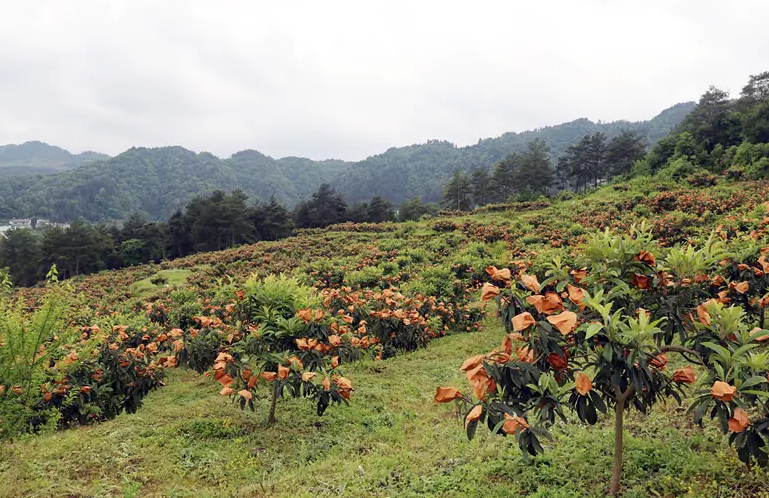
176, 278
392, 441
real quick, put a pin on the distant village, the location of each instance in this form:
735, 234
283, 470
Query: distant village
31, 223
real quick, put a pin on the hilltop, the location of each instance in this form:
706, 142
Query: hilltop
35, 157
156, 182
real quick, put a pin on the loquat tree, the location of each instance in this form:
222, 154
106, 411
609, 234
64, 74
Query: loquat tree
596, 338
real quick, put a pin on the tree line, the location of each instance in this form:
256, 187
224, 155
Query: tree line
526, 175
207, 223
156, 182
719, 135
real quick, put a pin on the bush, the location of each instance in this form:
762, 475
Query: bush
677, 170
200, 350
445, 226
702, 179
158, 280
29, 345
435, 281
281, 295
185, 308
367, 277
758, 170
52, 375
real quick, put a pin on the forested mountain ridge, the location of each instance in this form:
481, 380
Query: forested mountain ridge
158, 181
38, 157
423, 170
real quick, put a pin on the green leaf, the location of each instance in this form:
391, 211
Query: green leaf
722, 351
719, 370
593, 329
752, 382
744, 349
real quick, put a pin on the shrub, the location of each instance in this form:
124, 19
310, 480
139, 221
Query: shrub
158, 280
52, 375
445, 226
185, 307
274, 296
367, 277
28, 344
702, 179
200, 350
598, 338
437, 281
758, 170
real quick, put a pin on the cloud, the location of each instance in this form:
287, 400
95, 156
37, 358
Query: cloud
344, 79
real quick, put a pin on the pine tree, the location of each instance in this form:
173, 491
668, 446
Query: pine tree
623, 151
380, 210
535, 174
326, 207
457, 195
503, 177
481, 183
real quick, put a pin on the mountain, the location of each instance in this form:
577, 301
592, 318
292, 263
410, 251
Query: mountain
39, 157
158, 181
403, 173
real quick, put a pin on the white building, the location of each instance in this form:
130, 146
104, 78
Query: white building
20, 223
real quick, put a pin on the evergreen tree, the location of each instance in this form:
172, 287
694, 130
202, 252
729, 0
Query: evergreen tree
713, 121
414, 209
380, 210
457, 195
132, 226
358, 212
573, 166
503, 177
756, 90
326, 207
482, 186
535, 173
277, 222
623, 151
596, 158
756, 123
179, 240
20, 252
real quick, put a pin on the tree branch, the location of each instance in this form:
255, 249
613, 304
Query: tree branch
621, 397
685, 352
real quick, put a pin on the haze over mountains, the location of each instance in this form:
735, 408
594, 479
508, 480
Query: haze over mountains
47, 181
38, 157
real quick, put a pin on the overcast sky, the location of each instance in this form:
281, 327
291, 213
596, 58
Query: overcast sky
333, 79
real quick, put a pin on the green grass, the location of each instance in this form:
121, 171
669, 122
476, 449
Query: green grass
176, 278
187, 441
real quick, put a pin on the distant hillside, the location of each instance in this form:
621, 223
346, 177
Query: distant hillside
158, 181
39, 157
403, 173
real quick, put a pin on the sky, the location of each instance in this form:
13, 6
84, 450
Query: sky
350, 79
